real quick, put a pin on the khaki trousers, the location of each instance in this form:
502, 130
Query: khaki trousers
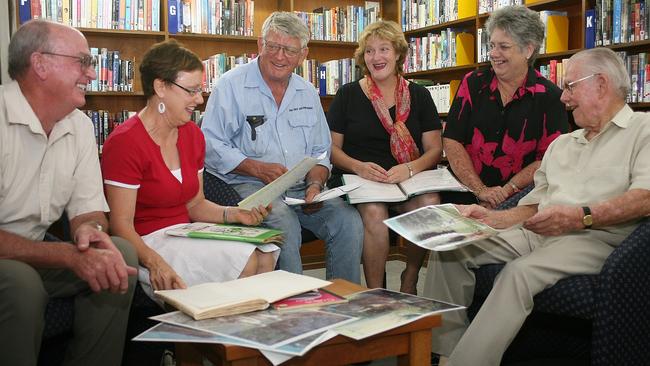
100, 319
534, 263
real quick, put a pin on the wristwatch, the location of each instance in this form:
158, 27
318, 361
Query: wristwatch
587, 220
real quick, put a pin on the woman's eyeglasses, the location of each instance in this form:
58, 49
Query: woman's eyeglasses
191, 92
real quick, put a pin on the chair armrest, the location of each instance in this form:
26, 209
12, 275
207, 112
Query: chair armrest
621, 326
218, 191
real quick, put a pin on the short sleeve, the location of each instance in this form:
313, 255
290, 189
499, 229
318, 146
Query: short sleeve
336, 111
122, 162
460, 112
428, 113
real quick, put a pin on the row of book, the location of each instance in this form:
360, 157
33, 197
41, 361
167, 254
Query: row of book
620, 21
448, 48
217, 65
335, 73
105, 122
223, 17
423, 13
488, 6
637, 65
143, 15
343, 24
113, 73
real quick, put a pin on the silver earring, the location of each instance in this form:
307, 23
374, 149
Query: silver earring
161, 108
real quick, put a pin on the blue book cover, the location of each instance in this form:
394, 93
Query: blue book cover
616, 26
25, 10
590, 28
322, 80
128, 22
172, 21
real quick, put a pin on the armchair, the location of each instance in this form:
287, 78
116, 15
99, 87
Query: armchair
590, 319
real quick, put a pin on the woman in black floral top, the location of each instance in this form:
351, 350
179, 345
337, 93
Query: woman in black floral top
503, 118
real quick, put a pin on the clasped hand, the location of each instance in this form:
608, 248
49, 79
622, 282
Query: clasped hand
99, 262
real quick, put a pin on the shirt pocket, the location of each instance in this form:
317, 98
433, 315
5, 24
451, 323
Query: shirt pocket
302, 130
254, 142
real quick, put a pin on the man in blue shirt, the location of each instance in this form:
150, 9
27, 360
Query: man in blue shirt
263, 118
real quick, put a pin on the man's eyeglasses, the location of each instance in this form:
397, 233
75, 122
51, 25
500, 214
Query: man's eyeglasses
569, 86
191, 92
273, 47
85, 61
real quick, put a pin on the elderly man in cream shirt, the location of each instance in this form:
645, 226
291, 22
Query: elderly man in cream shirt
591, 191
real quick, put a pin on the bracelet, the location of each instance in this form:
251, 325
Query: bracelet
320, 185
514, 186
408, 165
225, 215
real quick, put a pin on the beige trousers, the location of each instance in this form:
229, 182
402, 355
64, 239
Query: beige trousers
534, 263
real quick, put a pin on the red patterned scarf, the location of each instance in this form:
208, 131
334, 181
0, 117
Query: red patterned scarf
402, 145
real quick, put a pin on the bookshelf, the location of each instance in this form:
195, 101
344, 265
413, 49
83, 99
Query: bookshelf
132, 43
576, 12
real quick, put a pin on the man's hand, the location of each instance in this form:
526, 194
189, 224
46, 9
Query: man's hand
103, 268
372, 171
492, 218
310, 192
555, 220
268, 172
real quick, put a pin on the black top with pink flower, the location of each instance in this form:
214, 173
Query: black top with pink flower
501, 141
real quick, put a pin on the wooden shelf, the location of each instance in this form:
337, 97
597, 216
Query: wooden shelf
459, 23
137, 94
121, 33
219, 37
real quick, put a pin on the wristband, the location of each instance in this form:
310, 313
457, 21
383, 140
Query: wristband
320, 185
514, 186
225, 215
410, 170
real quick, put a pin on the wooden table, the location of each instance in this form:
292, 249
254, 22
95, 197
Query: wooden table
411, 344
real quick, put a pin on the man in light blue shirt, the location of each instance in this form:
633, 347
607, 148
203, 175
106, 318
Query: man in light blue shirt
263, 118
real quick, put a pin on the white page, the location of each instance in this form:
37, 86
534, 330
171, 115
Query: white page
325, 195
432, 181
275, 189
371, 191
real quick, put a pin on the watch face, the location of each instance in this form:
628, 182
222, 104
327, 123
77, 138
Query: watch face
587, 220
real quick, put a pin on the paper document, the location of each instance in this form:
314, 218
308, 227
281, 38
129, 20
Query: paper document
439, 227
275, 189
325, 195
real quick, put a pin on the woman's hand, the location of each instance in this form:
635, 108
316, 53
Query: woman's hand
372, 171
253, 217
161, 274
492, 196
398, 173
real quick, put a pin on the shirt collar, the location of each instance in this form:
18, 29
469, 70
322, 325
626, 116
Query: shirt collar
530, 85
20, 112
621, 119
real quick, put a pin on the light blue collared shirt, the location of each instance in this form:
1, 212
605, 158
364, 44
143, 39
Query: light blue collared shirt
296, 129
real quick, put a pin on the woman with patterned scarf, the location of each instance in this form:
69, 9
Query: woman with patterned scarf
385, 129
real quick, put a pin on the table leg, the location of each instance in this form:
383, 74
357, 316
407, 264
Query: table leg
419, 349
188, 355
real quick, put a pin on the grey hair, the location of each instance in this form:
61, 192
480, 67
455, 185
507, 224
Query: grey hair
287, 23
604, 61
522, 24
33, 36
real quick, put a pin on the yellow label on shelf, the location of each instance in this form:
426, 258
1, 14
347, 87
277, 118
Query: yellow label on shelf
464, 49
557, 33
531, 1
453, 88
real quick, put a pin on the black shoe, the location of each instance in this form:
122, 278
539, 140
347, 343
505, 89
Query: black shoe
435, 359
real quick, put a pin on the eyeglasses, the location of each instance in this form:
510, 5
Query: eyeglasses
501, 47
569, 86
85, 61
274, 48
191, 92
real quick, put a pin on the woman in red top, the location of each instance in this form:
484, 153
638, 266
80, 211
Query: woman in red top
153, 175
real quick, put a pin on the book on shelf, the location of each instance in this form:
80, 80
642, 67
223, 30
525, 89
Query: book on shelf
314, 298
424, 182
590, 28
439, 227
275, 189
248, 234
243, 295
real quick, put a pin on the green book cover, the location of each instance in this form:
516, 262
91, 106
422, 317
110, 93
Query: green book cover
249, 234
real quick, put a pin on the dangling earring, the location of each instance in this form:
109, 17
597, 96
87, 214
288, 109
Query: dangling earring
161, 108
